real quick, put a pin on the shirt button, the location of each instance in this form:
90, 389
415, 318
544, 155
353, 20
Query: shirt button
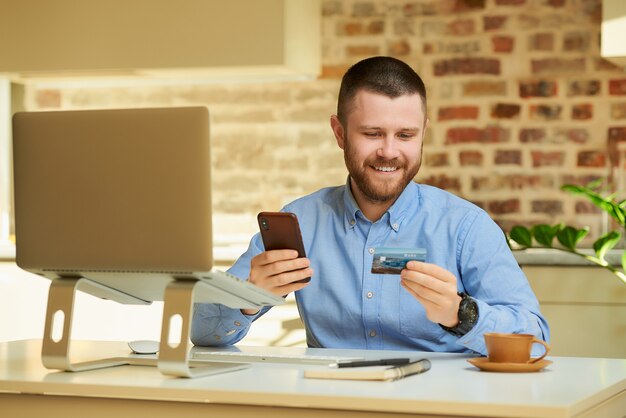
352, 222
394, 226
217, 337
237, 323
371, 250
372, 333
231, 332
370, 295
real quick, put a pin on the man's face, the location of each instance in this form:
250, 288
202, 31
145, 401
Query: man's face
382, 143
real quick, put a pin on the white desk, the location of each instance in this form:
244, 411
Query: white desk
571, 387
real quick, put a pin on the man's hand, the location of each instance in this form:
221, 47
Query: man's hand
435, 288
278, 272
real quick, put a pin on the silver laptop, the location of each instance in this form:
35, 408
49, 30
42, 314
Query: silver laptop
122, 198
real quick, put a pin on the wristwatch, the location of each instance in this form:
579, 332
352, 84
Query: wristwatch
468, 316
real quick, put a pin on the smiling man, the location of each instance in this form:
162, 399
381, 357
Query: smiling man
468, 284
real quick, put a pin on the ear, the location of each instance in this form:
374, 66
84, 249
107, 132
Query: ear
426, 126
338, 130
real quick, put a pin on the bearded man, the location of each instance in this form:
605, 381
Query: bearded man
468, 284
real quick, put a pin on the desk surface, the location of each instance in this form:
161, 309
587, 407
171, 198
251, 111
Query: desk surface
570, 387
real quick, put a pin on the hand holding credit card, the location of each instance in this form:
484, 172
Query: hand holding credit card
389, 260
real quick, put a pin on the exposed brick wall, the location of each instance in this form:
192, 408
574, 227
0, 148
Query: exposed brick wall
520, 102
519, 98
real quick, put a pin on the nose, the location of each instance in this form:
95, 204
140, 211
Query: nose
388, 149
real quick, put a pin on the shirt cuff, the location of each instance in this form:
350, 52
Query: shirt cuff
474, 339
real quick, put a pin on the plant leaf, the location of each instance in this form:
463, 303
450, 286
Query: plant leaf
620, 215
595, 184
605, 243
615, 211
588, 193
544, 234
573, 189
622, 204
607, 204
521, 235
569, 236
624, 261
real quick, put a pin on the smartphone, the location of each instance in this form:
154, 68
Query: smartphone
281, 231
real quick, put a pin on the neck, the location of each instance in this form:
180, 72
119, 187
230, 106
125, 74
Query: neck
372, 210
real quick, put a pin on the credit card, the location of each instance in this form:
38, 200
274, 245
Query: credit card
393, 260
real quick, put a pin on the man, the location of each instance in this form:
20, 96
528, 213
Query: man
470, 283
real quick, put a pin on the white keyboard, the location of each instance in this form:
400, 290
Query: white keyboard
243, 357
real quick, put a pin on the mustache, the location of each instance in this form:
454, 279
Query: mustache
380, 162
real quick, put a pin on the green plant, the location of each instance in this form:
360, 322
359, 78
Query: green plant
542, 236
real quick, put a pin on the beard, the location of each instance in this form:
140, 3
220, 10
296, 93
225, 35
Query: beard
376, 190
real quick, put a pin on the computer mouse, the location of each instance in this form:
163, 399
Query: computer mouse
144, 346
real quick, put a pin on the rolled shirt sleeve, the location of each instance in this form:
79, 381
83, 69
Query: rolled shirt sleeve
490, 274
218, 325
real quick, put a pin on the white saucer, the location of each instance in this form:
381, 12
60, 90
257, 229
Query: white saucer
483, 364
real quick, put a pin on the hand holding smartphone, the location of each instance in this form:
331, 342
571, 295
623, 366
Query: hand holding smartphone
281, 231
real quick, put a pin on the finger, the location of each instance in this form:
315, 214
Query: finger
291, 287
431, 270
424, 294
427, 281
408, 287
279, 267
435, 312
289, 277
268, 276
260, 277
269, 257
425, 302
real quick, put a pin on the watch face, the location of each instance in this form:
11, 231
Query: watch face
468, 311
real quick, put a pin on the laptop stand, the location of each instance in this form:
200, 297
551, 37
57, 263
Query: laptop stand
58, 326
179, 298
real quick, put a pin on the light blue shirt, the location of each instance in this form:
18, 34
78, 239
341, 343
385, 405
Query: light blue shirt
347, 306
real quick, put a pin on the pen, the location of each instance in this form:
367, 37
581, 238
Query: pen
381, 362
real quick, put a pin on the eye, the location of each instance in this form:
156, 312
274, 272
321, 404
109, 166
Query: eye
406, 135
370, 134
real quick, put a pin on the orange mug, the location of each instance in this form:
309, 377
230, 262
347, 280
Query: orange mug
512, 348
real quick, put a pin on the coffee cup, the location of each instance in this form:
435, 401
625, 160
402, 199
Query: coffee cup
512, 348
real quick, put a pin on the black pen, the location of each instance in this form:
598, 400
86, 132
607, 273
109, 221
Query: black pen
381, 362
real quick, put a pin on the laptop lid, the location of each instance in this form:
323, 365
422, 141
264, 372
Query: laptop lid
122, 196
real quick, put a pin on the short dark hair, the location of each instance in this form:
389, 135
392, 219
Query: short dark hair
383, 75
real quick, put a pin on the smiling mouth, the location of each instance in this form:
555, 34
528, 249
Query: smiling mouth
385, 169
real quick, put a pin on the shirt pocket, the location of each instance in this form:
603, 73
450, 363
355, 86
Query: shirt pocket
413, 320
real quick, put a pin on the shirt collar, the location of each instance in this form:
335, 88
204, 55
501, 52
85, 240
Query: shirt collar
408, 199
350, 205
408, 202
